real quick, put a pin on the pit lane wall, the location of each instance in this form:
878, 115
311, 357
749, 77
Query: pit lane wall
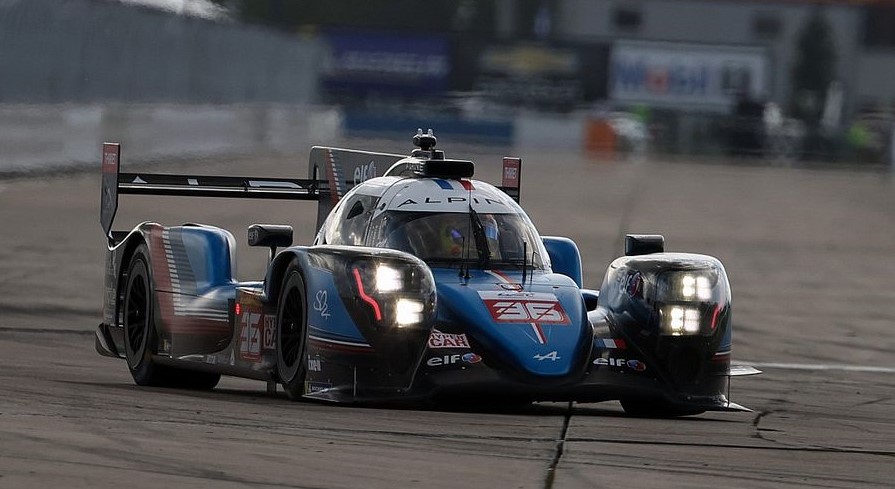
42, 137
37, 138
50, 137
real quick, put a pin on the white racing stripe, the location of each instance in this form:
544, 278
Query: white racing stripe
820, 366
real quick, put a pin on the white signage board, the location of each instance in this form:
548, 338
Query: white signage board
686, 76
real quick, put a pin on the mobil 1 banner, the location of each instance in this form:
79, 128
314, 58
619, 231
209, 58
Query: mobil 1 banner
686, 76
360, 63
548, 76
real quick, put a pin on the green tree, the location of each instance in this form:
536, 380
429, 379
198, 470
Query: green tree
814, 68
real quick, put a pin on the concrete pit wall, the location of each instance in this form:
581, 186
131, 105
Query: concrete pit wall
58, 136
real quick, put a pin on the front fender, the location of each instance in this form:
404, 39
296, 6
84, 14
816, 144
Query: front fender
348, 301
675, 308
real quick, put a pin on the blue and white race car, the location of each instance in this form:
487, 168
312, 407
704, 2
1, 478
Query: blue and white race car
422, 283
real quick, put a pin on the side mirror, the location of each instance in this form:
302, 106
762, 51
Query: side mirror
270, 236
591, 299
644, 244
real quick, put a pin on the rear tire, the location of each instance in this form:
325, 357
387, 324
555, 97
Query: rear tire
140, 338
292, 333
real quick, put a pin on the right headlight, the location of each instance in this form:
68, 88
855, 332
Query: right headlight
690, 302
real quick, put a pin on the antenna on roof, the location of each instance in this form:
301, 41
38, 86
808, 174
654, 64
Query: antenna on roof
425, 141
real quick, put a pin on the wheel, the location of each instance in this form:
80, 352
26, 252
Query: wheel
139, 331
642, 408
140, 339
292, 334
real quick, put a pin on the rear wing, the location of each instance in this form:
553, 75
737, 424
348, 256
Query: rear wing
331, 173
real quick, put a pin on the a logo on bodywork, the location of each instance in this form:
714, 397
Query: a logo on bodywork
437, 339
250, 336
363, 173
320, 303
314, 364
552, 356
524, 307
511, 286
312, 387
444, 360
633, 364
527, 311
269, 337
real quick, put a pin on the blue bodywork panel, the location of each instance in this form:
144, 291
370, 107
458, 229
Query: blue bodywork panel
565, 258
538, 329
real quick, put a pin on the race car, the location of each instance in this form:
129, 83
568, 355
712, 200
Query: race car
421, 284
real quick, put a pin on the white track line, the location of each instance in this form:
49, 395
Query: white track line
818, 366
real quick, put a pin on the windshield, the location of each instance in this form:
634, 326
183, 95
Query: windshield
487, 240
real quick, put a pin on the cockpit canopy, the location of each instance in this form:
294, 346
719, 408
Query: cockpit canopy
496, 240
443, 222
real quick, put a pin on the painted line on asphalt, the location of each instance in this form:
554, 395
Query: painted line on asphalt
820, 366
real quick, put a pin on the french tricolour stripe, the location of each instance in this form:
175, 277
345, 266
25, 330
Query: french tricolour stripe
444, 184
611, 343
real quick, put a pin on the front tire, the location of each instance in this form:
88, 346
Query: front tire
292, 333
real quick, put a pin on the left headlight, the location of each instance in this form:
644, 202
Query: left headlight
388, 279
408, 312
392, 292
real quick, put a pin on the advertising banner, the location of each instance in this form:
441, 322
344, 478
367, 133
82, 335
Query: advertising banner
552, 77
359, 63
686, 76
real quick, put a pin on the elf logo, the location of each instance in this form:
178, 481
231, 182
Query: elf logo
362, 173
443, 360
635, 365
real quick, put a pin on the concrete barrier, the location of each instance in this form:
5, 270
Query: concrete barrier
41, 137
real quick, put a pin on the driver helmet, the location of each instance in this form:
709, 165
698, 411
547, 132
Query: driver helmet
452, 239
492, 233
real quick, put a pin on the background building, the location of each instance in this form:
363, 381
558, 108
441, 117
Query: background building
782, 78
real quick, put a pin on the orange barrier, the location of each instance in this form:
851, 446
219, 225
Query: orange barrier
599, 138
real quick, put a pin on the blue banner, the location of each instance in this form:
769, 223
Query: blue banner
359, 63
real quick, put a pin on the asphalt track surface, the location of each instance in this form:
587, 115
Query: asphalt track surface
808, 252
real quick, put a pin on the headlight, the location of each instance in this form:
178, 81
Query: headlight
679, 320
388, 279
690, 301
392, 293
408, 312
689, 286
698, 287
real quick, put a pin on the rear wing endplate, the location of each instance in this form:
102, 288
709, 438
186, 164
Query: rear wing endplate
511, 177
332, 172
342, 169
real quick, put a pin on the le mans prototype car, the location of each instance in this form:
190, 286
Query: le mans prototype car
421, 283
